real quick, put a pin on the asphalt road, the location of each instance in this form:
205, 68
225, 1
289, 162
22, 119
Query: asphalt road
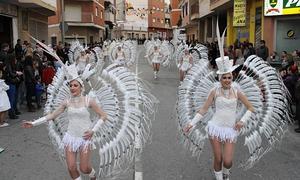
29, 154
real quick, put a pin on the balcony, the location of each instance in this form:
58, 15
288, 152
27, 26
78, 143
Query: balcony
109, 16
47, 7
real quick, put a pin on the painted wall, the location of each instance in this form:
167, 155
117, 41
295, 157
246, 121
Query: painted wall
283, 42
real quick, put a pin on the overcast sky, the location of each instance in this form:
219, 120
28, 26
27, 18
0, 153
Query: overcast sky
167, 1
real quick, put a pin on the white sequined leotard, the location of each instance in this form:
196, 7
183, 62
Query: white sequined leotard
185, 63
79, 123
223, 121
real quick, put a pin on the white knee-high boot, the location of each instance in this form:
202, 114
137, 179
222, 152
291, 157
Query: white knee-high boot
219, 175
226, 173
92, 173
79, 178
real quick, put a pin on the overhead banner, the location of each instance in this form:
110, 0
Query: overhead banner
239, 13
136, 15
281, 7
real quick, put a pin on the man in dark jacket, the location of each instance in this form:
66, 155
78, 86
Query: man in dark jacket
18, 50
263, 50
3, 53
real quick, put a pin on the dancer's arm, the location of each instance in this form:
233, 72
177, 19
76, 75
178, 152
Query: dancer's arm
248, 113
51, 116
200, 113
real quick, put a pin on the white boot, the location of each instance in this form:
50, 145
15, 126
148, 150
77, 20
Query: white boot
155, 74
79, 178
92, 174
219, 175
226, 173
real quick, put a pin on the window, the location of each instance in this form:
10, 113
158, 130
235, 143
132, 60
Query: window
162, 21
91, 39
96, 11
186, 9
101, 14
153, 20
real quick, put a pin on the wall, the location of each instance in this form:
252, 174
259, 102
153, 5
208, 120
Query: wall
283, 42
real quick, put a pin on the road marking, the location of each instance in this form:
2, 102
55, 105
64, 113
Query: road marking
138, 176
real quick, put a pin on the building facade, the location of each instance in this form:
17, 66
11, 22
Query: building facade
156, 20
83, 20
175, 14
244, 20
283, 17
19, 18
110, 18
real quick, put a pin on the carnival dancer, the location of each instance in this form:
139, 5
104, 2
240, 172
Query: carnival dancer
185, 64
78, 138
253, 106
82, 60
223, 128
112, 89
156, 60
120, 56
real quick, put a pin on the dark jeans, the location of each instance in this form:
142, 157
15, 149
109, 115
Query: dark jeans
38, 98
12, 94
29, 93
298, 113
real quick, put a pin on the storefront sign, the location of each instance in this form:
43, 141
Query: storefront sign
290, 34
281, 7
239, 13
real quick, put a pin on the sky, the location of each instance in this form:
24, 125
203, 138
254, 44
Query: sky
167, 1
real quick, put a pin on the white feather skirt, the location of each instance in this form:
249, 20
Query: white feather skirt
223, 134
75, 144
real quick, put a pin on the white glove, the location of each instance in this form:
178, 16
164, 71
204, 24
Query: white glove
39, 121
196, 119
178, 66
97, 125
246, 117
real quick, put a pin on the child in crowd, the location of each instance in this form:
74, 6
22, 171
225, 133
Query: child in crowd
4, 102
39, 89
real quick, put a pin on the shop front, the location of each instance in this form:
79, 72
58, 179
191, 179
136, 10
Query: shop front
283, 17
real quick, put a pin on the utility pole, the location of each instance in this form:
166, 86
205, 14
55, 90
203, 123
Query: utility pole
62, 21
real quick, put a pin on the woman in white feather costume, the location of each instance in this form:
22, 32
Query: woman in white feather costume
223, 128
185, 64
77, 139
255, 107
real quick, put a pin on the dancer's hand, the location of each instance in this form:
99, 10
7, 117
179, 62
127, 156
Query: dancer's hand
26, 124
88, 135
238, 126
187, 128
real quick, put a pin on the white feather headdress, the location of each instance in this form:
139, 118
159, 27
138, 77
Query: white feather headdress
72, 74
225, 65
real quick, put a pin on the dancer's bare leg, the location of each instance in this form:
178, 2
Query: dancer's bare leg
71, 163
85, 164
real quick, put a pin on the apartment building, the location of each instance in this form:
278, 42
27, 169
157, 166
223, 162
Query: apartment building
110, 12
18, 18
83, 20
156, 19
175, 15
